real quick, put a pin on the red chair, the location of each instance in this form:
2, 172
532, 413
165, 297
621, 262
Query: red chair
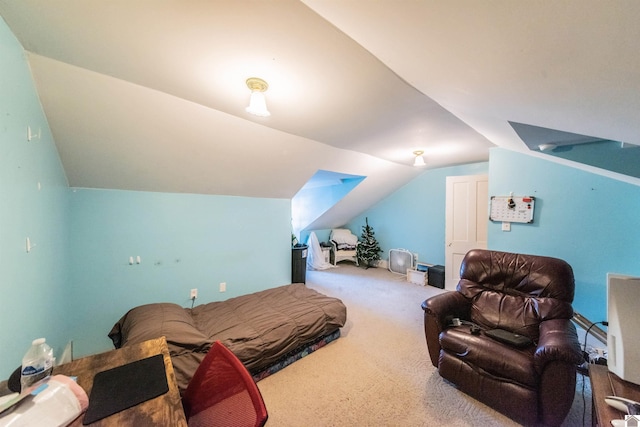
222, 393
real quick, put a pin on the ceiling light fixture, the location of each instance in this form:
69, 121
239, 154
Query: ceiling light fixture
257, 103
547, 146
419, 160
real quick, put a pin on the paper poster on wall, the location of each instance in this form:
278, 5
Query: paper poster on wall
512, 208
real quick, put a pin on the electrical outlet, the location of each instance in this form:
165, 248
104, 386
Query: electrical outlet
223, 286
194, 294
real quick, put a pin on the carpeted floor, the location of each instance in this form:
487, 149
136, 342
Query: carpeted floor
379, 373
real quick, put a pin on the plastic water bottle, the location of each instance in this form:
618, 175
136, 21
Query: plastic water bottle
37, 363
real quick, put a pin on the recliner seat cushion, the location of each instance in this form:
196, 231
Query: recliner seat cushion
511, 310
499, 360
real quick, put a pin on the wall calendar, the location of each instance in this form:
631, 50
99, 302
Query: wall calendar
512, 208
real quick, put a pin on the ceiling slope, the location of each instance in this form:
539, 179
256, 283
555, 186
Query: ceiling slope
571, 65
151, 96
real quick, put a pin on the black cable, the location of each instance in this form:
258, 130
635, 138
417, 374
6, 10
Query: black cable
585, 356
586, 334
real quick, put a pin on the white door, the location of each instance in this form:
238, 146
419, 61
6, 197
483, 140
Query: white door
467, 215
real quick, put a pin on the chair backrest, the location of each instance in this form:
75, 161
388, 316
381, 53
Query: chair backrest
223, 393
343, 236
515, 291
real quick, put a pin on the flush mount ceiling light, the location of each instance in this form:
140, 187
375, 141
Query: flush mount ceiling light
257, 103
419, 160
548, 146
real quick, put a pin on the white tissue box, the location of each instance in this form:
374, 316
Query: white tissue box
417, 277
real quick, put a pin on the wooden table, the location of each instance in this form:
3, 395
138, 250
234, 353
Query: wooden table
164, 410
604, 383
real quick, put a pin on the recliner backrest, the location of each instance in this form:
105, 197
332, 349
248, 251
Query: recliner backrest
515, 291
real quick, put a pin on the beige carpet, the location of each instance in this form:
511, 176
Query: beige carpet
378, 373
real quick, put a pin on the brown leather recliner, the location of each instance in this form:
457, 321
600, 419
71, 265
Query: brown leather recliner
526, 294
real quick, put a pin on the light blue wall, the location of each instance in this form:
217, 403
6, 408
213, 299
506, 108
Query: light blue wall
413, 217
76, 282
185, 241
589, 220
32, 285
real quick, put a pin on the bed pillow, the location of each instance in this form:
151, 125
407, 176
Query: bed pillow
155, 320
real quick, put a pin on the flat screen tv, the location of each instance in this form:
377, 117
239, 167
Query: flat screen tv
623, 332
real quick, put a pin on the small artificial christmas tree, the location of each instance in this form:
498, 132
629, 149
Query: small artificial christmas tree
368, 251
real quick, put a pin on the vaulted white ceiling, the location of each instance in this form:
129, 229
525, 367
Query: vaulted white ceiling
150, 95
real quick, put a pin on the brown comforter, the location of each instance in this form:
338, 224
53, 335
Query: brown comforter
259, 328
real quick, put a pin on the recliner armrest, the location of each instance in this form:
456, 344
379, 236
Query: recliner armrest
558, 342
447, 304
436, 310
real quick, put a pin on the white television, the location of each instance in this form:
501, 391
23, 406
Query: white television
623, 332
